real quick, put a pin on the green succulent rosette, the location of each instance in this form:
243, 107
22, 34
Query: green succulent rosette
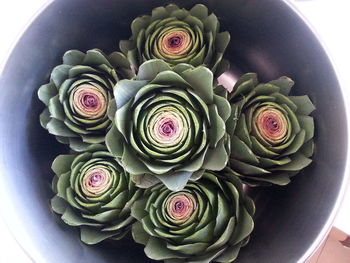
271, 132
94, 193
208, 221
78, 95
169, 125
178, 36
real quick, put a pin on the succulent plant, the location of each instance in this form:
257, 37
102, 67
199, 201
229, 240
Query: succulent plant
78, 94
271, 132
169, 125
208, 221
94, 193
178, 36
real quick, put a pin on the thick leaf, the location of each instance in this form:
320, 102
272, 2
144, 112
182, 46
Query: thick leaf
125, 90
151, 68
46, 92
175, 181
240, 151
307, 123
304, 104
60, 74
58, 204
156, 249
201, 81
73, 57
92, 236
139, 235
284, 83
299, 161
62, 163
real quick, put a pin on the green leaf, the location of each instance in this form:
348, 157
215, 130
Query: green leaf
56, 108
150, 69
223, 107
222, 41
144, 180
114, 142
170, 78
308, 148
63, 184
156, 249
104, 217
46, 92
95, 57
216, 158
57, 127
139, 23
307, 123
175, 181
304, 104
77, 144
188, 249
204, 234
58, 204
125, 90
241, 152
247, 169
211, 23
224, 238
229, 255
92, 236
70, 217
131, 163
62, 163
201, 81
45, 118
200, 11
299, 161
60, 74
284, 83
139, 235
296, 144
73, 57
244, 227
126, 45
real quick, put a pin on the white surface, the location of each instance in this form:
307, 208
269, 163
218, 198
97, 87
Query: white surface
330, 18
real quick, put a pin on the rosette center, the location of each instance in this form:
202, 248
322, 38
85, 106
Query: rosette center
180, 206
272, 124
176, 43
89, 101
96, 181
167, 127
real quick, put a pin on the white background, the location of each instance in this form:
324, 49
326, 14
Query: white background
330, 19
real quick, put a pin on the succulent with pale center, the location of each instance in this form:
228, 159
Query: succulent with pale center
271, 132
208, 221
169, 125
94, 193
178, 36
78, 95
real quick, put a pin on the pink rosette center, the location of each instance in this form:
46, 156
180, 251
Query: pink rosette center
96, 181
180, 207
89, 101
272, 124
175, 43
167, 128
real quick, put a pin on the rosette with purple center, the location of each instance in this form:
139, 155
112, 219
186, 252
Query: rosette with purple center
271, 131
94, 193
78, 95
169, 125
208, 221
176, 36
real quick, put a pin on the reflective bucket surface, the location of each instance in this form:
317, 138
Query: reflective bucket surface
267, 37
